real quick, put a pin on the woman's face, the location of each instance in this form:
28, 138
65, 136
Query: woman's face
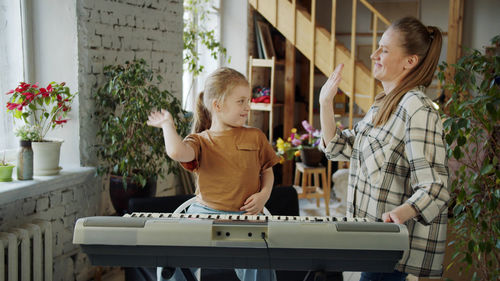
390, 60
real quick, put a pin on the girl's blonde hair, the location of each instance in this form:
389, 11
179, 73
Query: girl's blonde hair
415, 39
217, 86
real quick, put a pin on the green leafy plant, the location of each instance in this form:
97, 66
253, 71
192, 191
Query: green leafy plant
195, 33
126, 145
28, 133
472, 132
42, 109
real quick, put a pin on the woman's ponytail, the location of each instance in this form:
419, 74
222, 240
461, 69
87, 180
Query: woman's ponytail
202, 118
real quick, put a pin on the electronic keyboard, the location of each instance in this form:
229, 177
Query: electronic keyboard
242, 241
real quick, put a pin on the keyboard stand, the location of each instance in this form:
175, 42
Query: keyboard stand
315, 275
168, 272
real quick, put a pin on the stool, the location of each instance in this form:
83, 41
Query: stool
306, 189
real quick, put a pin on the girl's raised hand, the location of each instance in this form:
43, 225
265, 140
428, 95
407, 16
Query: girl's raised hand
160, 118
329, 89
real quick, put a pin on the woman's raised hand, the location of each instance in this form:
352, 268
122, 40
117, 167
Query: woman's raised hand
160, 118
329, 89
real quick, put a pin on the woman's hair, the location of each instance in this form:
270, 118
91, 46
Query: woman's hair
415, 39
217, 86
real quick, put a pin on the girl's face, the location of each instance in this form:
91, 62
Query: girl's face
390, 60
234, 112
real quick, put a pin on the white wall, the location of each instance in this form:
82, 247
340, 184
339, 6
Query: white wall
481, 23
234, 31
55, 59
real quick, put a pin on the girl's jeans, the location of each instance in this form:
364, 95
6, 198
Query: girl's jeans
243, 274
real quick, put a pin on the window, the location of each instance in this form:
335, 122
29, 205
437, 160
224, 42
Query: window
11, 66
191, 86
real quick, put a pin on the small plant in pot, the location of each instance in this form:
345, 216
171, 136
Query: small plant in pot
5, 170
26, 135
42, 109
130, 152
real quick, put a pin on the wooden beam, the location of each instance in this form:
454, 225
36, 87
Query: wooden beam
455, 26
289, 106
374, 47
332, 34
294, 20
312, 61
353, 63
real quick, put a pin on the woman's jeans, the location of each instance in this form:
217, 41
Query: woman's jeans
386, 276
243, 274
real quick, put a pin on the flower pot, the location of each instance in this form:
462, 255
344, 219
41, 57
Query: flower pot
120, 195
6, 173
46, 157
311, 156
25, 161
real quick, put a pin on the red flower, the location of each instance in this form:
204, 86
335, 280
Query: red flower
22, 87
12, 106
59, 122
29, 96
10, 92
59, 98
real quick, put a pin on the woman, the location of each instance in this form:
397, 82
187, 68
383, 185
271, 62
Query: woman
398, 167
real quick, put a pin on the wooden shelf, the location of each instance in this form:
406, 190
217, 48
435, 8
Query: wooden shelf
261, 106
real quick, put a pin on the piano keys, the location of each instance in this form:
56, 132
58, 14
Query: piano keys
239, 241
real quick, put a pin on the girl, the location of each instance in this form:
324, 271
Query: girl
233, 163
398, 167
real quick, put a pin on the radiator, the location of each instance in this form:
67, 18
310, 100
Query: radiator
26, 253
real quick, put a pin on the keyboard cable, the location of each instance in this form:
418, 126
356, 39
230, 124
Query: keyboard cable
263, 235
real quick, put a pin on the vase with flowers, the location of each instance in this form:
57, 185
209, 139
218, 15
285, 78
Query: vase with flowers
304, 145
42, 109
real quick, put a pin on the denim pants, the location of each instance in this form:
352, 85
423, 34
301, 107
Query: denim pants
243, 274
383, 276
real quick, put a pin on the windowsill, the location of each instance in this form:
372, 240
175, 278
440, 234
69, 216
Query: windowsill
69, 176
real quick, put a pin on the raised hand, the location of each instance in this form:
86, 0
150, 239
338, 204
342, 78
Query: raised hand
160, 118
329, 89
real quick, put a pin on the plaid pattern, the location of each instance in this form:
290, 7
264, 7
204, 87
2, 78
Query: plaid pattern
403, 161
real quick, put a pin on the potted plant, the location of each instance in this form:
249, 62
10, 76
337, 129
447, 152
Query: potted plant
472, 132
42, 109
5, 170
304, 145
132, 153
25, 155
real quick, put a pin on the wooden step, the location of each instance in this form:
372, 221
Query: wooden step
280, 14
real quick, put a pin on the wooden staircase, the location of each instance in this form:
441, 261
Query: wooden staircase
322, 49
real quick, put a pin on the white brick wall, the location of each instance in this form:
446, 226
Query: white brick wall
76, 197
109, 32
112, 32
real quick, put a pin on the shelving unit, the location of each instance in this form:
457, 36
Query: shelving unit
271, 106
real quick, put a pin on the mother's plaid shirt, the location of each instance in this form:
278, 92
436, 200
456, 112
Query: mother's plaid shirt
403, 161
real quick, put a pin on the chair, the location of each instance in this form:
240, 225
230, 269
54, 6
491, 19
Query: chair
306, 189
